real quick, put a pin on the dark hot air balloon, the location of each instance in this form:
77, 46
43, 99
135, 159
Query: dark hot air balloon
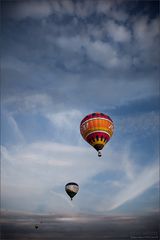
97, 129
71, 189
36, 226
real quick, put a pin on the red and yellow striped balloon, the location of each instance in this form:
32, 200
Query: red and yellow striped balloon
97, 129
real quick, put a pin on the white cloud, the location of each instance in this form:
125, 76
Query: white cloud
127, 164
37, 101
55, 91
29, 102
146, 40
102, 53
71, 44
106, 55
40, 171
118, 33
65, 119
139, 184
145, 31
15, 128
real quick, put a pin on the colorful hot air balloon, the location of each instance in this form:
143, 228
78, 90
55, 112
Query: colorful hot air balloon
71, 189
97, 129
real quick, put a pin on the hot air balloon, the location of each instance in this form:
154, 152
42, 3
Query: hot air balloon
71, 189
97, 129
36, 226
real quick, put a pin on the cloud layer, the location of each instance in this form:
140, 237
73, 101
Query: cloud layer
39, 171
62, 60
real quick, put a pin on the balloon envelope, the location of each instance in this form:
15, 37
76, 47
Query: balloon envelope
71, 189
97, 129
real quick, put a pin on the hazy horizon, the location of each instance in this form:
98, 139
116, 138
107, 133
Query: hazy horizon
22, 227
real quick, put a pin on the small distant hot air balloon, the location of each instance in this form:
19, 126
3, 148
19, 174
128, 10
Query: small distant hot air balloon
71, 189
36, 226
97, 129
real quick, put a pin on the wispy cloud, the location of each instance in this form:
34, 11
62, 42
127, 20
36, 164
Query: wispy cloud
141, 183
16, 129
43, 168
65, 119
10, 127
39, 167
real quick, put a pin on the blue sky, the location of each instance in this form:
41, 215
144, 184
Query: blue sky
62, 60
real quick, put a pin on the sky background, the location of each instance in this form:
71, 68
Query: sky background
62, 60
